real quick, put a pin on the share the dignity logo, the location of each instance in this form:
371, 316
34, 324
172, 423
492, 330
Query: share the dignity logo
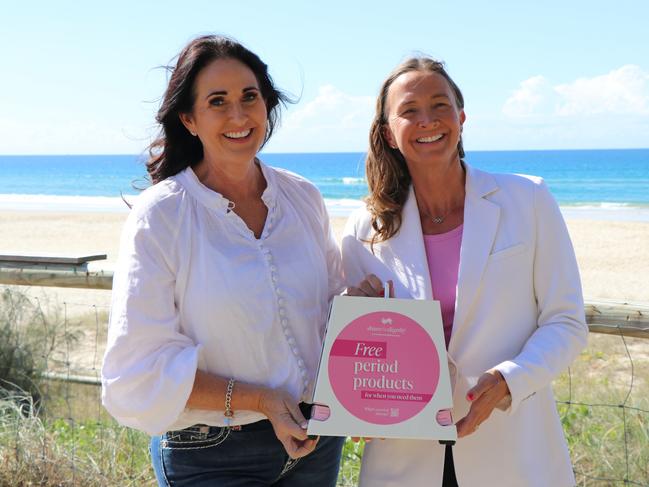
385, 326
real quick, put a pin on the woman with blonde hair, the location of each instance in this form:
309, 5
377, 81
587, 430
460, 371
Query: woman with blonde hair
494, 250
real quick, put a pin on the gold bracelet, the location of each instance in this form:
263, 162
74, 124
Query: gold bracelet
229, 414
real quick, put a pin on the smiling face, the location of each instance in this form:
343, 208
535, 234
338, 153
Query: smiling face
423, 119
229, 113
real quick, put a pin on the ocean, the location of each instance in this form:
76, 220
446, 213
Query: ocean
602, 184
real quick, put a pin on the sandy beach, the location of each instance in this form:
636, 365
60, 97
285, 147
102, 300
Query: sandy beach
613, 256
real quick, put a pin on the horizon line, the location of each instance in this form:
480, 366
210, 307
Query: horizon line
329, 152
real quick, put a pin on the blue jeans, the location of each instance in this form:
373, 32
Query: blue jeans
202, 456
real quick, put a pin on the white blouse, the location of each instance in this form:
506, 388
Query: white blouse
194, 289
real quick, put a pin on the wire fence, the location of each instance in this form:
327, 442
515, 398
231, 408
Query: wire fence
54, 431
603, 400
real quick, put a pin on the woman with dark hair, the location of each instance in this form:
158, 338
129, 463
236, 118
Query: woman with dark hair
221, 293
494, 250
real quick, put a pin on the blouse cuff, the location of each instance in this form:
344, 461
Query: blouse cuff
153, 400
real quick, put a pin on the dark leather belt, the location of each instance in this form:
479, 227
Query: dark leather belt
261, 425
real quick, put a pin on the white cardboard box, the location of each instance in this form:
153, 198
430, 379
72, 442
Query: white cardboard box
383, 370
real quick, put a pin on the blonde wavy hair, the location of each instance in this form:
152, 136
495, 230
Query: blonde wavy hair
386, 170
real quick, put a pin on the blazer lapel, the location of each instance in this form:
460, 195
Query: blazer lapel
481, 218
408, 257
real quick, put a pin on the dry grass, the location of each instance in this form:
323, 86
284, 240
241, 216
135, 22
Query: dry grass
61, 452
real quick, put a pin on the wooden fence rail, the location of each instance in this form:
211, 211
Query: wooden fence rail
76, 278
628, 319
614, 318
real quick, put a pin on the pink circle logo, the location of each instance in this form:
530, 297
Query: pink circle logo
383, 367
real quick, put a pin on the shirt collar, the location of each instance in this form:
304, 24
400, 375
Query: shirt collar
216, 201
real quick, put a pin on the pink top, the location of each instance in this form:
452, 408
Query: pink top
443, 254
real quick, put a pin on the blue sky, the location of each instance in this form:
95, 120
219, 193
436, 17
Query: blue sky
81, 78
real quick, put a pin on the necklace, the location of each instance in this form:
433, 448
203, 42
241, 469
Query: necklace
439, 219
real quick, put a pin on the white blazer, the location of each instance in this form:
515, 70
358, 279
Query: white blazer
519, 308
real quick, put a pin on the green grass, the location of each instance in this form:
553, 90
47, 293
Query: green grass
608, 442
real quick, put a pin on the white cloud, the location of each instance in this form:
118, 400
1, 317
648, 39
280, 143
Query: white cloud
622, 91
332, 121
333, 108
528, 98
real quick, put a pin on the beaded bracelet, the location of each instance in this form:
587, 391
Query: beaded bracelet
229, 414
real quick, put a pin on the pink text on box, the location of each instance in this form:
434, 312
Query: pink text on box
359, 348
396, 396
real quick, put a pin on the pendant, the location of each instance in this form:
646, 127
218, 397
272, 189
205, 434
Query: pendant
438, 219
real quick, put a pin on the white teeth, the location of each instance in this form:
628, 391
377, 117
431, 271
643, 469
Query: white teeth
237, 135
432, 138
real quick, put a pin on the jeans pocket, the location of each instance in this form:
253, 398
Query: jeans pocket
194, 437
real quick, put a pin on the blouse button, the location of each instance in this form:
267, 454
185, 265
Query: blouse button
303, 373
281, 301
282, 312
300, 362
273, 268
269, 257
274, 277
291, 341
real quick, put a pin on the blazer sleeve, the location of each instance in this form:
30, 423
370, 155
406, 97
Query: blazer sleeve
561, 331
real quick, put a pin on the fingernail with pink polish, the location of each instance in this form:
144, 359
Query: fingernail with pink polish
470, 396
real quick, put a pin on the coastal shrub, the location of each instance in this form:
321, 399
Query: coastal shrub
20, 366
31, 335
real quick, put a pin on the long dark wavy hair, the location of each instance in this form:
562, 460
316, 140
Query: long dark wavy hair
175, 148
387, 174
